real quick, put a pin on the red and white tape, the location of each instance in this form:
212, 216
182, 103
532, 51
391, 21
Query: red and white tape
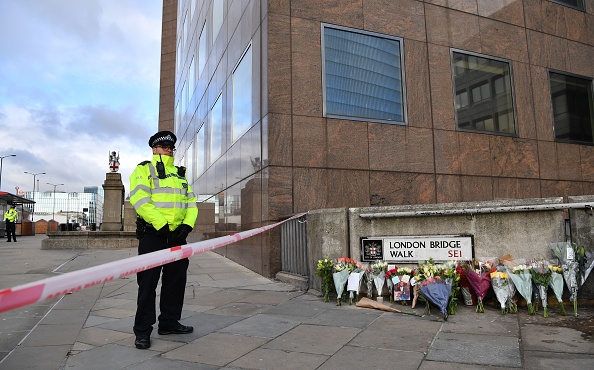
56, 286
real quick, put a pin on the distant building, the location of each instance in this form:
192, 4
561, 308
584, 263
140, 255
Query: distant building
289, 106
82, 208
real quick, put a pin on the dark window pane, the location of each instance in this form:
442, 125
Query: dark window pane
578, 4
571, 98
488, 105
362, 76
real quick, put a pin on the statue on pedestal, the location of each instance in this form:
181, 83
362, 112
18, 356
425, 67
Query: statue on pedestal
114, 161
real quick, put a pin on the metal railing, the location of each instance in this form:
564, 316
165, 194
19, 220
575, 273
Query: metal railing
294, 247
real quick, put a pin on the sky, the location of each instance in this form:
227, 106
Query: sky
78, 79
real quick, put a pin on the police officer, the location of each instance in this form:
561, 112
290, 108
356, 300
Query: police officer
10, 217
167, 212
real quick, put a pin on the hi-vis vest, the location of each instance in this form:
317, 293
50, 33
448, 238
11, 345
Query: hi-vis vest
162, 201
11, 215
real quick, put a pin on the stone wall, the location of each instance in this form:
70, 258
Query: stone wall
522, 233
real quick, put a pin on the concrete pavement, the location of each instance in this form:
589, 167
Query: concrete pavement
245, 321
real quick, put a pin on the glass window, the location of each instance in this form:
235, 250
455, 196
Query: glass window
190, 164
217, 18
202, 51
216, 130
242, 95
199, 158
192, 76
572, 107
577, 4
489, 105
363, 76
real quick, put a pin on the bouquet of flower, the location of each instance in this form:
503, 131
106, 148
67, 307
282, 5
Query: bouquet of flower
452, 277
541, 276
500, 284
340, 275
369, 282
378, 270
437, 291
324, 270
425, 271
389, 275
556, 283
357, 271
520, 275
465, 288
402, 284
577, 264
478, 275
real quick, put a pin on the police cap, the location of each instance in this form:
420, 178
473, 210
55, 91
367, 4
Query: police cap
162, 138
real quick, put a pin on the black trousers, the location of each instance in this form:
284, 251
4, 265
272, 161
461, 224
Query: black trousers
11, 230
173, 286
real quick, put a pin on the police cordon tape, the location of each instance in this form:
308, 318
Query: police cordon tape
70, 282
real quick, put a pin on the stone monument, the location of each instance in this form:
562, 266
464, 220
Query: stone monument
112, 204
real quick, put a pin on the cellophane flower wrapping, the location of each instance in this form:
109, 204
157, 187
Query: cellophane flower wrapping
340, 276
541, 276
379, 276
390, 283
500, 284
577, 263
324, 271
478, 275
356, 277
437, 291
557, 285
369, 282
522, 280
511, 304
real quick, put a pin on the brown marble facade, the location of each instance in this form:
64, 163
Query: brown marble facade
294, 159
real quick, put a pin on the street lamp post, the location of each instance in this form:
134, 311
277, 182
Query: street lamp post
34, 175
2, 159
54, 210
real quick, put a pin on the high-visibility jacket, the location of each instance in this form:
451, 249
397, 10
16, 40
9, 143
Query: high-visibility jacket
162, 201
11, 215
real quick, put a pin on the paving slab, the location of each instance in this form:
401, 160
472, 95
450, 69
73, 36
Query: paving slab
263, 326
467, 320
36, 358
207, 350
100, 337
436, 365
480, 349
241, 309
322, 340
271, 359
269, 297
54, 335
160, 363
399, 332
354, 318
537, 360
349, 357
555, 339
203, 324
300, 307
110, 356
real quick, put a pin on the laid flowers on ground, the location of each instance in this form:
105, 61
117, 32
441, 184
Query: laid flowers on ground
541, 276
324, 270
500, 284
378, 270
577, 264
520, 275
354, 282
556, 283
478, 275
340, 275
389, 275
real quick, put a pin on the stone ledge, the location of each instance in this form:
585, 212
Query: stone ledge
298, 281
90, 240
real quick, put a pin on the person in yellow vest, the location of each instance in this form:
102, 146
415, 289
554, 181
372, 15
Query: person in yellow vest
10, 217
167, 212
